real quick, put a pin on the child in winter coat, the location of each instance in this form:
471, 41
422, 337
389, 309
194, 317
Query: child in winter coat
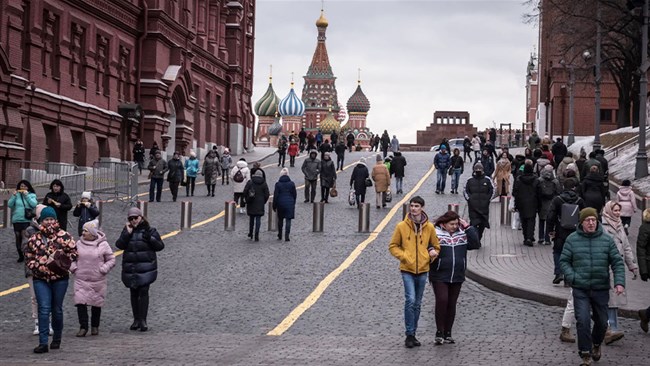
627, 200
85, 210
94, 260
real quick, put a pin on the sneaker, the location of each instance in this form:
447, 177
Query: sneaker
438, 340
448, 338
35, 332
596, 352
644, 320
408, 343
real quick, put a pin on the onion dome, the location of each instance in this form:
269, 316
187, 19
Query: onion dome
268, 104
330, 124
291, 105
322, 21
276, 127
358, 103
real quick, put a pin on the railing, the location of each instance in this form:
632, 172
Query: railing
613, 151
41, 174
119, 180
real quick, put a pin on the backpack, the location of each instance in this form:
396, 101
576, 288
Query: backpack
569, 215
238, 177
547, 188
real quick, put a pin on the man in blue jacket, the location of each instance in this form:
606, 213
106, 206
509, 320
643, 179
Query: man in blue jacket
586, 258
441, 162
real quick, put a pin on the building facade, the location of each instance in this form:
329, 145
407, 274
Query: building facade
446, 124
83, 79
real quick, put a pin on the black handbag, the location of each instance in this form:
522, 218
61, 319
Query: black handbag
368, 182
29, 212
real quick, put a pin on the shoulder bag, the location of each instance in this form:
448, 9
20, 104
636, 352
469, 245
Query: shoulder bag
29, 212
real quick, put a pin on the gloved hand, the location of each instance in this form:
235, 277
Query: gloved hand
635, 274
147, 235
644, 277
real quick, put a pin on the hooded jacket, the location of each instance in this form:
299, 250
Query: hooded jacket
94, 260
192, 167
63, 199
441, 161
327, 173
525, 195
85, 214
587, 258
593, 191
627, 200
381, 177
478, 193
238, 187
358, 178
139, 262
544, 201
643, 244
255, 207
410, 244
284, 197
311, 166
398, 164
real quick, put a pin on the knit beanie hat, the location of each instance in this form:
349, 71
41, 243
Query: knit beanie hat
47, 212
92, 227
134, 211
588, 212
258, 173
86, 195
284, 171
38, 210
362, 161
478, 167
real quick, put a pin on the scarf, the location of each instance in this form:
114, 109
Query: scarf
609, 218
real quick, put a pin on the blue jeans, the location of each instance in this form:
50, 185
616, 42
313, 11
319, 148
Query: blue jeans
543, 231
413, 290
441, 180
156, 185
455, 179
49, 296
398, 184
583, 302
254, 221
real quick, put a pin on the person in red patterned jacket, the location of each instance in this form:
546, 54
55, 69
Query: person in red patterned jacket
49, 253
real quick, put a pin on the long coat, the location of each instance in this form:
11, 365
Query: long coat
397, 165
238, 187
211, 169
624, 248
358, 178
525, 195
643, 244
255, 207
94, 260
284, 198
502, 177
327, 173
175, 170
593, 191
139, 262
381, 176
478, 193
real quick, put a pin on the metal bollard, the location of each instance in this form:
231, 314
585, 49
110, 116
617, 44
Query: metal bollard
506, 215
453, 207
364, 218
144, 207
318, 215
273, 218
186, 215
6, 215
100, 208
405, 210
229, 220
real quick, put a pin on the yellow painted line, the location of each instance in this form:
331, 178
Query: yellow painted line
168, 235
327, 281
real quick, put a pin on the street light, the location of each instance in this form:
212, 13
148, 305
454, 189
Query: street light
641, 168
572, 82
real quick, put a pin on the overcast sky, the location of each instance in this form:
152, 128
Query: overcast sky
415, 57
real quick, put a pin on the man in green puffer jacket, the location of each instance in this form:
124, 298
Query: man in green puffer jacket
587, 255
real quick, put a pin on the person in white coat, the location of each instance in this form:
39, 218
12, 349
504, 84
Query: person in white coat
240, 175
626, 198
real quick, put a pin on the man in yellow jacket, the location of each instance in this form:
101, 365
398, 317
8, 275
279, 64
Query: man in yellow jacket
415, 244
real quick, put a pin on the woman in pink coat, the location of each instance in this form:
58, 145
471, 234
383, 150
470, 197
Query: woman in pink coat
94, 261
627, 200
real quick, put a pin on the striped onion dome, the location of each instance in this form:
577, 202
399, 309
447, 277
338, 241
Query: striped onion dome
291, 105
329, 124
358, 103
268, 104
276, 127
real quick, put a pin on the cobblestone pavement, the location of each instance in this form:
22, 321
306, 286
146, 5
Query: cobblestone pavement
218, 295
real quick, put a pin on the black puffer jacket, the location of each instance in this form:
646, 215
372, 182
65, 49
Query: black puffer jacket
358, 178
593, 191
478, 193
175, 173
139, 263
397, 165
255, 206
525, 194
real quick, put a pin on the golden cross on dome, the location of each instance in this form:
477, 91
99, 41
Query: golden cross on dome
270, 74
359, 78
291, 79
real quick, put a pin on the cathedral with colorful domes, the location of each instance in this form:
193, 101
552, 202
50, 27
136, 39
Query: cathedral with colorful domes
318, 108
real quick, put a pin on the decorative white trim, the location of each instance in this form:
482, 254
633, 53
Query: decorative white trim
76, 102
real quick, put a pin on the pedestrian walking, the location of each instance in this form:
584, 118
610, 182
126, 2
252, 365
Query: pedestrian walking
586, 259
327, 177
559, 151
394, 144
447, 271
488, 163
323, 148
476, 146
613, 226
157, 169
22, 204
85, 210
479, 192
376, 142
441, 161
643, 258
456, 169
548, 188
311, 170
518, 165
540, 161
415, 244
138, 154
592, 189
154, 149
525, 193
302, 136
589, 163
467, 149
226, 166
546, 152
397, 167
59, 201
95, 260
284, 203
360, 181
381, 177
211, 170
256, 193
175, 174
627, 199
49, 253
562, 167
283, 145
334, 138
240, 175
191, 172
140, 242
350, 141
340, 155
502, 175
293, 152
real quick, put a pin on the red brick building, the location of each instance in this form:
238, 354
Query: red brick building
446, 124
83, 79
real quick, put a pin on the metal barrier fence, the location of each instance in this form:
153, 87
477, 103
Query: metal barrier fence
41, 174
116, 179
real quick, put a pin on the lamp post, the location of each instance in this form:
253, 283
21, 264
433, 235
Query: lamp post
586, 55
641, 169
572, 82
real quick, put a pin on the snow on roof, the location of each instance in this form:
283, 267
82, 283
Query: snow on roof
76, 102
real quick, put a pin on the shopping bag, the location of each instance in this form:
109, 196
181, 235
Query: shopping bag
352, 197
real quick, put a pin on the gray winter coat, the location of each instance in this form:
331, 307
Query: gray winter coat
311, 168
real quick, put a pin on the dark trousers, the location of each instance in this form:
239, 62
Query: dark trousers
292, 160
239, 198
528, 228
467, 156
480, 227
543, 231
156, 185
140, 302
95, 314
339, 162
324, 193
583, 302
19, 228
173, 187
281, 159
384, 151
310, 190
361, 198
224, 176
446, 298
287, 227
255, 221
191, 183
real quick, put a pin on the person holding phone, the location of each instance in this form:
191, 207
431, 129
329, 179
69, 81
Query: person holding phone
21, 202
140, 243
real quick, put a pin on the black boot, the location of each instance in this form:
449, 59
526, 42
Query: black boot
144, 309
213, 186
135, 308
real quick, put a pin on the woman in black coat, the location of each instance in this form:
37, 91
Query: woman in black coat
525, 193
256, 193
358, 181
478, 193
59, 201
327, 176
284, 202
140, 243
593, 190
